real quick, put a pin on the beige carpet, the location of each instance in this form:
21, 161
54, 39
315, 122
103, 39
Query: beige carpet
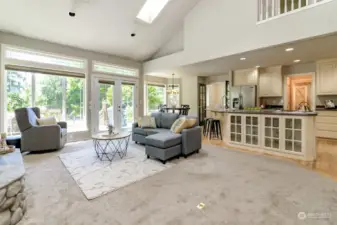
237, 188
97, 178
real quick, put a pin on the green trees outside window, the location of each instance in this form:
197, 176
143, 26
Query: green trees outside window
297, 4
155, 97
106, 104
59, 96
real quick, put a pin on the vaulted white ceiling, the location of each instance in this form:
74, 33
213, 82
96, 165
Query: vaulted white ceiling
307, 50
100, 25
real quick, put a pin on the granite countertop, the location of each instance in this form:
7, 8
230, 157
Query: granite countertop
265, 112
322, 108
11, 168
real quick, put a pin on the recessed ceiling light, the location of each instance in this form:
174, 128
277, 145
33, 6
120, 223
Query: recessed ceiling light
289, 49
243, 58
297, 60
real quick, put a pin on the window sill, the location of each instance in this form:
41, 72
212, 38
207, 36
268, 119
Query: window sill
77, 131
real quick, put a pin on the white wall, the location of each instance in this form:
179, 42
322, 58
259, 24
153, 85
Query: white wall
189, 93
44, 46
299, 68
229, 27
216, 91
217, 78
175, 44
154, 79
218, 28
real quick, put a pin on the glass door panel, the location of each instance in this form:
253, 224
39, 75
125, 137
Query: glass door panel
114, 103
106, 105
128, 106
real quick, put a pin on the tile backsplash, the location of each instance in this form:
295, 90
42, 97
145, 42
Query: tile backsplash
320, 100
271, 100
278, 101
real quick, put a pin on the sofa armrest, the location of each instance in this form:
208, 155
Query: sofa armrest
191, 140
134, 125
63, 125
41, 138
46, 131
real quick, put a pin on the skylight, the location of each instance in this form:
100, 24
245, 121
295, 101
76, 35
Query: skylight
151, 10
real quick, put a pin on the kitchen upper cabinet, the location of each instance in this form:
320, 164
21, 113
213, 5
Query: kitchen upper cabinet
245, 77
270, 82
327, 77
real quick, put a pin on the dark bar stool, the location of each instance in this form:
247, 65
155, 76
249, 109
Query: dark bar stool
214, 129
207, 126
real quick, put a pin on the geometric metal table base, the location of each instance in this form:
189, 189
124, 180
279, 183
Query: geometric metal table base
106, 148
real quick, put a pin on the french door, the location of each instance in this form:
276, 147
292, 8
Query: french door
114, 103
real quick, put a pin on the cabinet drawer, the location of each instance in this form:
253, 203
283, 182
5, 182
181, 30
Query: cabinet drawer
326, 119
327, 113
326, 134
326, 127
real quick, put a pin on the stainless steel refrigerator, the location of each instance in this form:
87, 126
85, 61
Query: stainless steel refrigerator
244, 96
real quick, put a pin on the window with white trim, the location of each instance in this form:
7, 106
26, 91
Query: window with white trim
60, 96
37, 57
114, 69
55, 84
155, 96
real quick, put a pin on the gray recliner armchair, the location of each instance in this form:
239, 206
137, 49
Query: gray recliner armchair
39, 138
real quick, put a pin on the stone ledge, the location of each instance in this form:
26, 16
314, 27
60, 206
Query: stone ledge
13, 204
12, 184
11, 168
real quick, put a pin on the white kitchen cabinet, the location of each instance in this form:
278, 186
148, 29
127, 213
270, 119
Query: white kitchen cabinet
245, 77
293, 134
271, 137
288, 135
252, 130
236, 131
270, 82
327, 77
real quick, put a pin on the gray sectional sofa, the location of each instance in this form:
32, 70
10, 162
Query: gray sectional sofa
161, 143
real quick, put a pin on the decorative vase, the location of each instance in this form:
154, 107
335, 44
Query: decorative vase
110, 129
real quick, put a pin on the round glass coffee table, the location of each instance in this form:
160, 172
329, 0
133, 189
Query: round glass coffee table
108, 146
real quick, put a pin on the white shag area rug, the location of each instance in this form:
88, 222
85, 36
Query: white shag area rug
96, 177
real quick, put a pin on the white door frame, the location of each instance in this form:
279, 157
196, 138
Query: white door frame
118, 80
313, 89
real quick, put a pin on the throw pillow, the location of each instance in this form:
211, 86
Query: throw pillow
139, 122
179, 125
147, 122
46, 121
190, 122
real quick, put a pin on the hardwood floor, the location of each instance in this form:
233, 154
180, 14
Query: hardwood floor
326, 162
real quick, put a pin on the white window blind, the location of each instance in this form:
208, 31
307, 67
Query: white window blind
37, 57
114, 69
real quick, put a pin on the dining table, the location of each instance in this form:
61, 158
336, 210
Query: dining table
180, 110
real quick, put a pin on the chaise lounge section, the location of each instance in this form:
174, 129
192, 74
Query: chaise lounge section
163, 144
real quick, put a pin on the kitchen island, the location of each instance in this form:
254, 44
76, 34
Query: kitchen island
289, 134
